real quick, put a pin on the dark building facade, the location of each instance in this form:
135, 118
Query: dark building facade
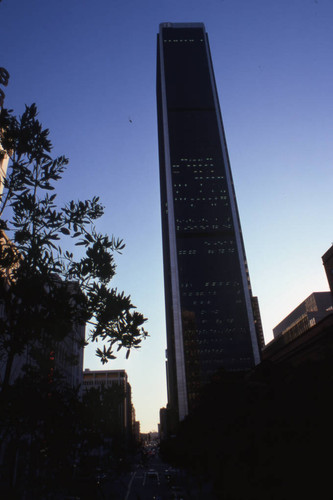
208, 297
98, 379
303, 345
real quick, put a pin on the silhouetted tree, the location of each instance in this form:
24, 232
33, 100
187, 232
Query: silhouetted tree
46, 290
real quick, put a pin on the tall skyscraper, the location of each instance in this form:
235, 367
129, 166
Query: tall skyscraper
207, 289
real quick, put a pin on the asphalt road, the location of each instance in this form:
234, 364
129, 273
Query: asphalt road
151, 482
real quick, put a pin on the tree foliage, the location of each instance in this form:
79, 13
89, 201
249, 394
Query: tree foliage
46, 287
4, 78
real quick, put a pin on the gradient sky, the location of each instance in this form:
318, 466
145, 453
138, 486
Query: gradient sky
91, 69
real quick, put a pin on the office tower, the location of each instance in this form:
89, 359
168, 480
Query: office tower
209, 314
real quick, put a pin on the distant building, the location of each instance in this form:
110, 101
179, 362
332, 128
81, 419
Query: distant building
131, 431
327, 259
108, 378
307, 314
258, 323
163, 425
137, 431
210, 323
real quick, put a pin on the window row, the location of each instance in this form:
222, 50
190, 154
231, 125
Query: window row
220, 251
221, 283
207, 343
207, 178
195, 165
205, 189
203, 198
196, 220
207, 284
209, 335
207, 293
180, 40
202, 227
209, 158
219, 243
187, 252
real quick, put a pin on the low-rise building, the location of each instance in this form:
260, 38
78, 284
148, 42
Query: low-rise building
307, 314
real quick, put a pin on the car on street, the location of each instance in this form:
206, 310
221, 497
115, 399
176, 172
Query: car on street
152, 476
177, 493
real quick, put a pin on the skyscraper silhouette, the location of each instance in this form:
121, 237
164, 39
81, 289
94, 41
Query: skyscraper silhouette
209, 314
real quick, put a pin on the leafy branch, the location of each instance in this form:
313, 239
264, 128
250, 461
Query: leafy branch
46, 287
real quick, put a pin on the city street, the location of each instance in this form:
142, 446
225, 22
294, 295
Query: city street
155, 480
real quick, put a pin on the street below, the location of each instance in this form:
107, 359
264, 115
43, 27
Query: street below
151, 478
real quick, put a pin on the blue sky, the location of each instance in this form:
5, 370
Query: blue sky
91, 69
